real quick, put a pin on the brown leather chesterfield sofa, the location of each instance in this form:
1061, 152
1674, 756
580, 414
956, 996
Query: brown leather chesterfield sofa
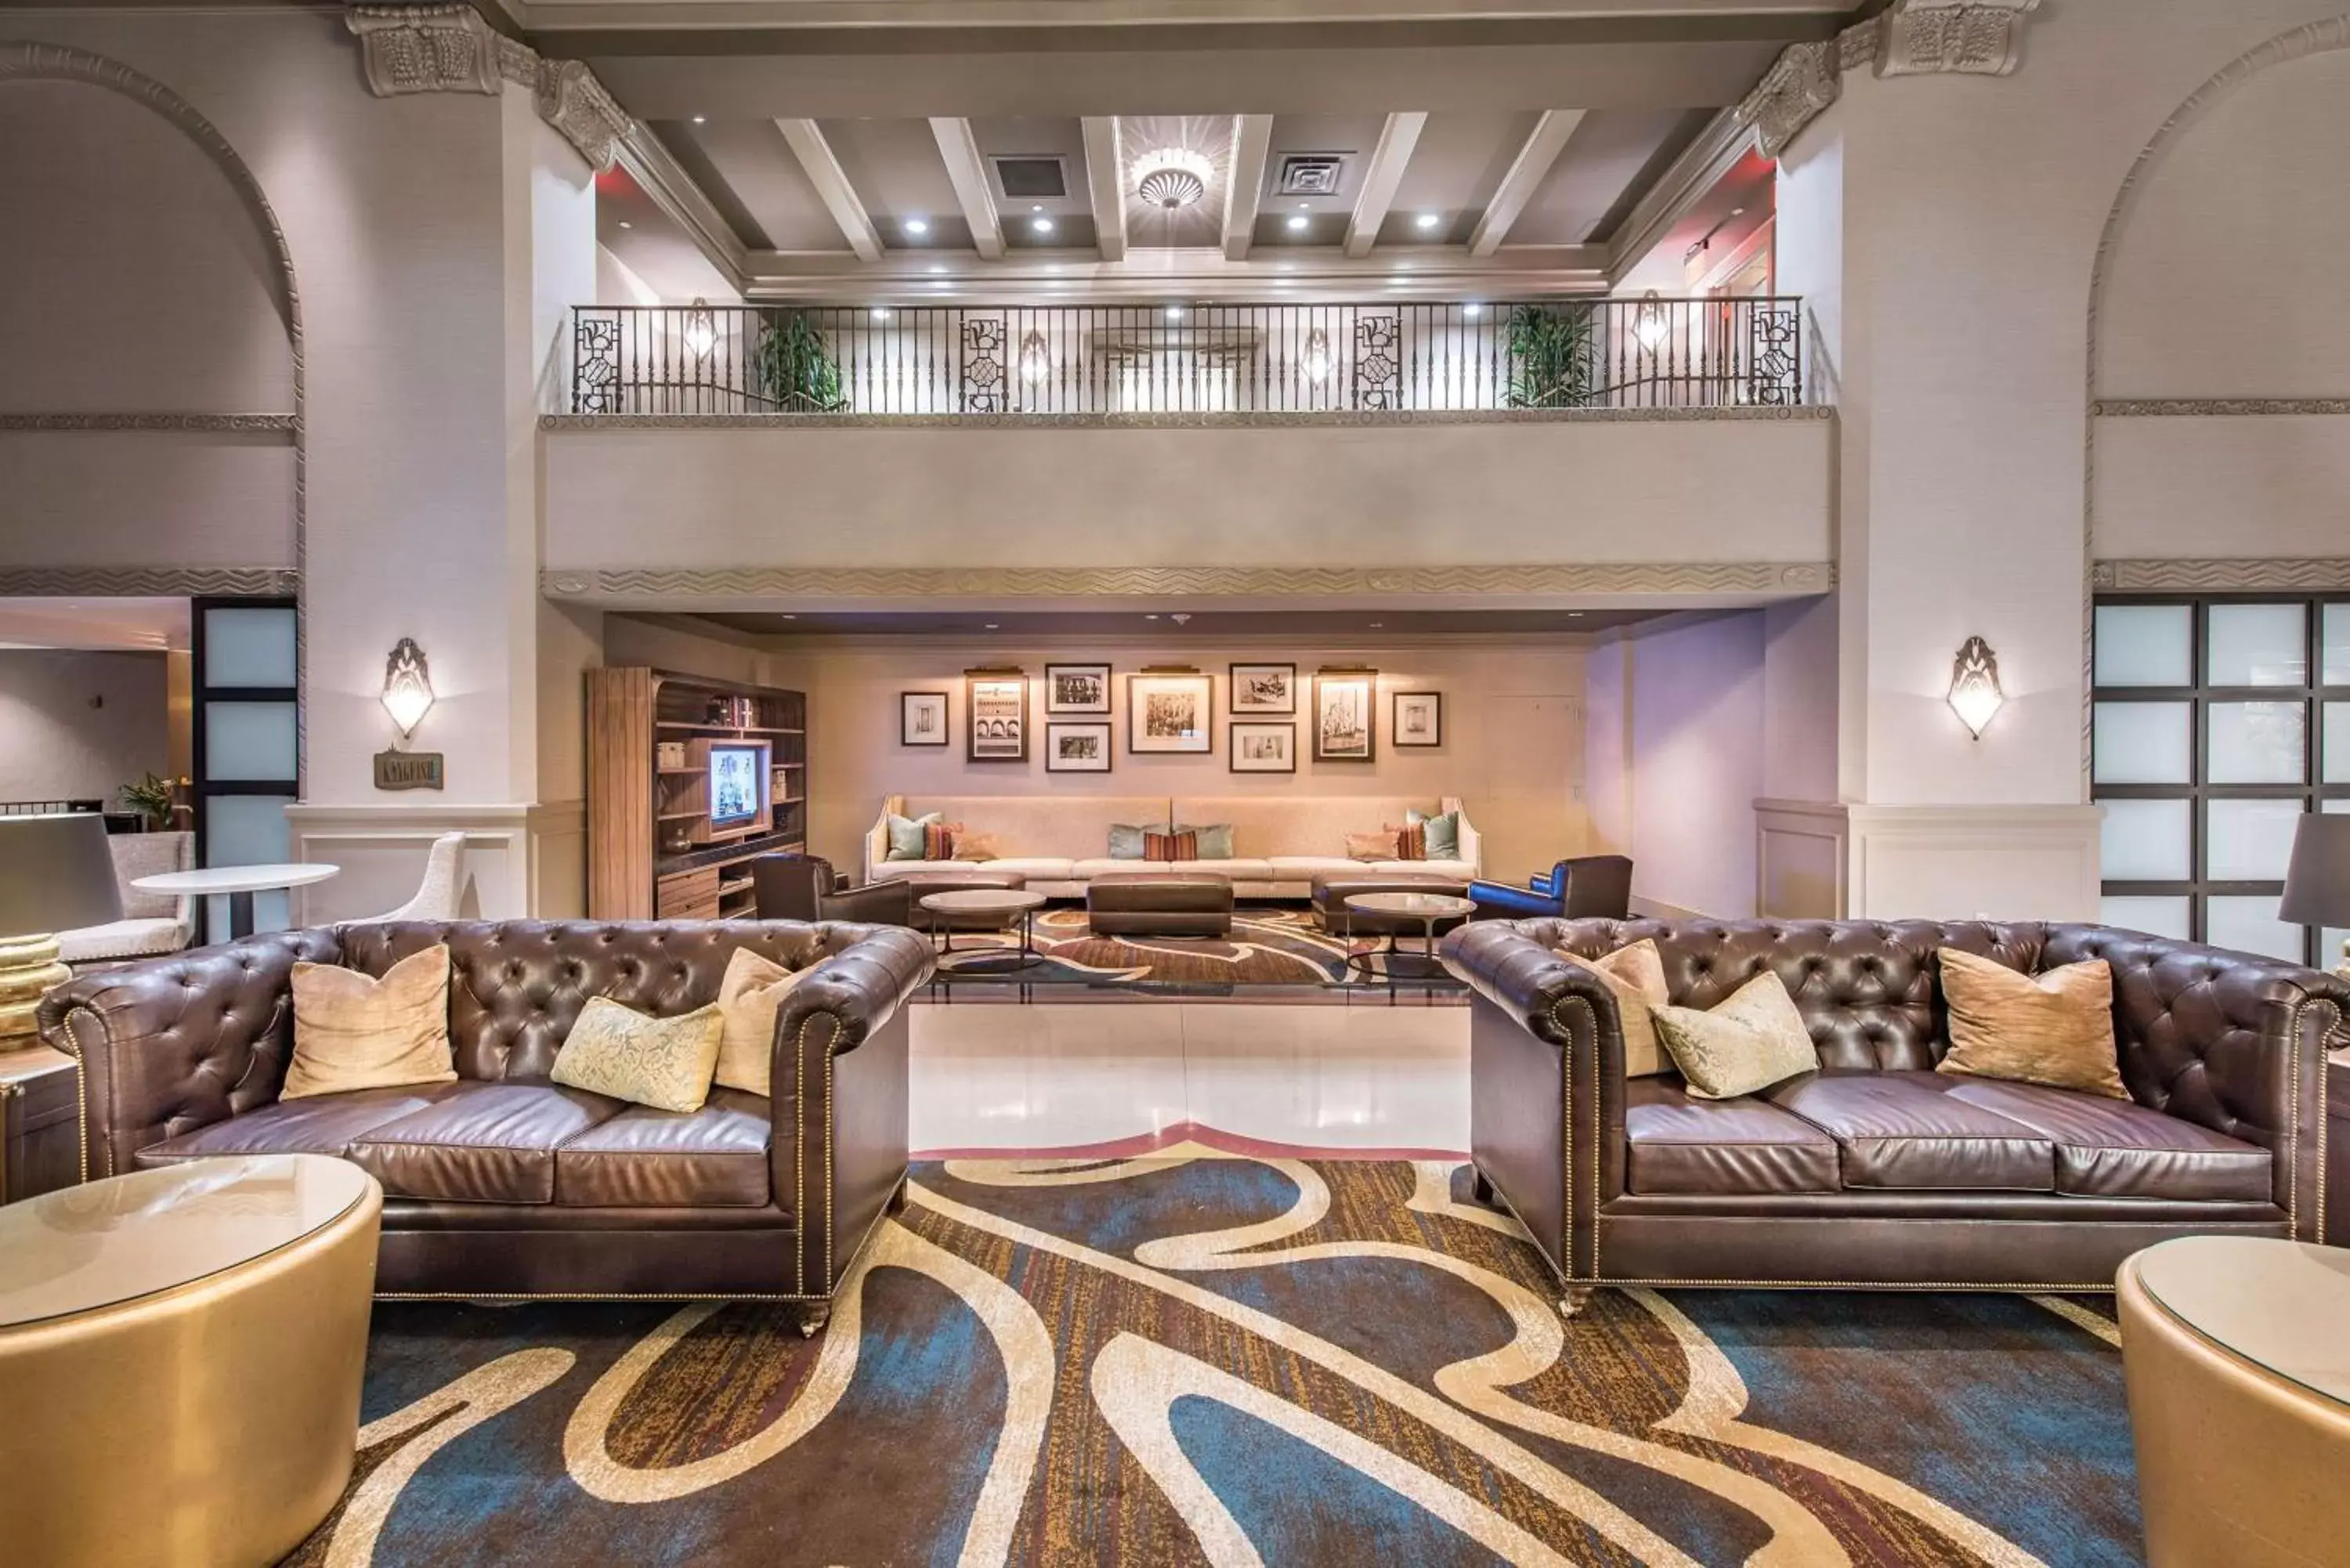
503, 1183
1877, 1172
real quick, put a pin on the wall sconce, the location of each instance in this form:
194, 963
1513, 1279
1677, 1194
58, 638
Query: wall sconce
406, 687
700, 331
1316, 357
1975, 696
1036, 358
1648, 323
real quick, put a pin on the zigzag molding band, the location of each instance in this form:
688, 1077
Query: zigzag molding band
2282, 574
147, 582
237, 424
653, 582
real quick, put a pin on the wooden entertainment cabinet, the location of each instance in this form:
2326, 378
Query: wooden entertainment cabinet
654, 852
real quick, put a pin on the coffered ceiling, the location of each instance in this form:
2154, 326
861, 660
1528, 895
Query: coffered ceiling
899, 149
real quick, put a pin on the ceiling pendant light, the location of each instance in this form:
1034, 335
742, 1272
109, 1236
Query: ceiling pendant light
1172, 177
1035, 358
1315, 360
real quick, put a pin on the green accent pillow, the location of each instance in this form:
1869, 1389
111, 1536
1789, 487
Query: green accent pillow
664, 1063
1215, 839
1443, 833
1126, 839
906, 834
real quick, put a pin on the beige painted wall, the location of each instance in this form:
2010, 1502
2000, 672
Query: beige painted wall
55, 745
1512, 732
1436, 494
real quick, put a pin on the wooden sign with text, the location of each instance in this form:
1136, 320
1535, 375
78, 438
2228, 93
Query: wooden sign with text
410, 770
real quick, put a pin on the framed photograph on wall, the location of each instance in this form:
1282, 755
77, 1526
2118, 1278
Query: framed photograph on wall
921, 718
1076, 689
1263, 689
1418, 720
1345, 707
1079, 748
1260, 747
1169, 711
998, 705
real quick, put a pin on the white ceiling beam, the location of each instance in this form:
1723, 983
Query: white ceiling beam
1547, 141
967, 171
1252, 144
1381, 175
1106, 180
832, 186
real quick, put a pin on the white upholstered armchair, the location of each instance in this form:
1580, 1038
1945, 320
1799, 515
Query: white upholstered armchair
152, 923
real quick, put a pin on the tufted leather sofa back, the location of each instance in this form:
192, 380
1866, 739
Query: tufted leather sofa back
516, 987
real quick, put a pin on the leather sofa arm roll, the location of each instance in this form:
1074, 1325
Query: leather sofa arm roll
174, 1044
852, 994
1512, 964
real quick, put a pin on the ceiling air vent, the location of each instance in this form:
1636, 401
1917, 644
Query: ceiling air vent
1037, 179
1310, 173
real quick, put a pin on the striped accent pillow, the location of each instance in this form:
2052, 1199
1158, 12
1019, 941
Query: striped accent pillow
939, 839
1411, 841
1171, 847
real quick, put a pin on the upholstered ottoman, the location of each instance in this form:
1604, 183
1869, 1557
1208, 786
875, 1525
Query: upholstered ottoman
1331, 889
924, 883
1160, 904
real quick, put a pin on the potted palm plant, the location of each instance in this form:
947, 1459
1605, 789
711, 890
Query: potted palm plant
150, 798
793, 367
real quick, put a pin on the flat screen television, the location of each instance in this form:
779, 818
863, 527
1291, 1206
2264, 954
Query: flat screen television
738, 783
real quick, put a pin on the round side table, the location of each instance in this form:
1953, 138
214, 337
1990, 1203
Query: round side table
236, 884
1006, 903
1426, 907
181, 1352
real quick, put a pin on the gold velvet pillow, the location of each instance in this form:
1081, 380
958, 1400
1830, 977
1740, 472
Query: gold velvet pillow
664, 1063
353, 1031
749, 995
1637, 975
976, 847
1754, 1040
2055, 1028
1372, 846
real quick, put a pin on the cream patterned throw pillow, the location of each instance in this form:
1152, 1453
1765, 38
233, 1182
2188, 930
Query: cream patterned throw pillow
752, 989
354, 1031
2055, 1028
1754, 1040
1637, 975
664, 1063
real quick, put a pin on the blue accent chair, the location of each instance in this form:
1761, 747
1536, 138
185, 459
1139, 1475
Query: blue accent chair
1588, 887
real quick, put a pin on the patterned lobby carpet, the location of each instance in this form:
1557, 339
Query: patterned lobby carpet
1186, 1360
1269, 945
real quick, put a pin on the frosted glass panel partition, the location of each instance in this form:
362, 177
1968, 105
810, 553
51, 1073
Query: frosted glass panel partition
2257, 644
2144, 743
2248, 840
2164, 916
251, 830
248, 648
2257, 743
2336, 767
2248, 922
2336, 636
2146, 645
2148, 841
247, 741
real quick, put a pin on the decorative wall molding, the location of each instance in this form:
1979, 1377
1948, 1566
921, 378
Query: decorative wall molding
1966, 862
236, 424
147, 582
451, 49
1802, 859
1267, 419
521, 860
2158, 407
1910, 38
2280, 574
655, 583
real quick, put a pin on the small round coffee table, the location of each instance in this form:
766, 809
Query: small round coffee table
1004, 904
226, 1301
1426, 907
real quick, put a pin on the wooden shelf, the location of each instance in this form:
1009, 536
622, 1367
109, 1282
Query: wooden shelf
708, 728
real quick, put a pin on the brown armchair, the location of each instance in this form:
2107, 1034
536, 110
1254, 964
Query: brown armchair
806, 887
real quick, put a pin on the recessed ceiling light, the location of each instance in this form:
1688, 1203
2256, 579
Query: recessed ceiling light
791, 615
1151, 617
938, 269
1427, 220
1737, 212
1377, 624
880, 313
1042, 226
626, 225
1297, 222
991, 625
918, 225
1174, 313
1574, 615
1472, 310
702, 120
1038, 207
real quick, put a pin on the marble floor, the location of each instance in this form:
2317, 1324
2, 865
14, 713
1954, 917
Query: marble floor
1386, 1079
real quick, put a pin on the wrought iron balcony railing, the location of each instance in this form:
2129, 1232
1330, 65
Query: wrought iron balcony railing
1051, 362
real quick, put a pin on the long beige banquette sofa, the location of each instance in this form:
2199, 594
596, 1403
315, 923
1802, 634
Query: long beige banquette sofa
1061, 842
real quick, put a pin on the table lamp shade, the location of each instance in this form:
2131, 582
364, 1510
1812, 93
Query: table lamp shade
55, 875
2317, 882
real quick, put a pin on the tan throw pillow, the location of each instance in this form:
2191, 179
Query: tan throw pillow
1371, 845
1754, 1040
976, 847
1637, 975
752, 989
664, 1063
353, 1031
2055, 1028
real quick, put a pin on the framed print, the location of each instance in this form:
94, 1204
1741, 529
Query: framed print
1076, 689
1344, 704
998, 717
1081, 748
1169, 713
1265, 689
1418, 720
1259, 747
921, 718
